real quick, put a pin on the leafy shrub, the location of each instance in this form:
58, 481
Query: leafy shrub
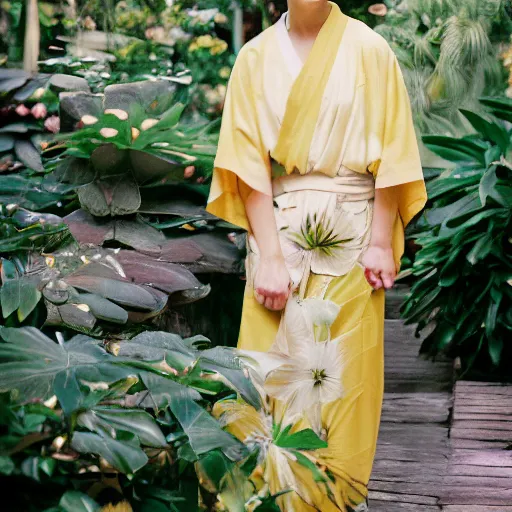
448, 51
118, 419
463, 269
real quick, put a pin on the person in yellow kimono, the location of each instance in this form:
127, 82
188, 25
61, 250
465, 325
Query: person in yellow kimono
318, 161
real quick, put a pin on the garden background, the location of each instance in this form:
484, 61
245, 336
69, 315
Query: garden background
121, 296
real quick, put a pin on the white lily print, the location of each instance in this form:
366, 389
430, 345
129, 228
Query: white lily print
303, 368
318, 235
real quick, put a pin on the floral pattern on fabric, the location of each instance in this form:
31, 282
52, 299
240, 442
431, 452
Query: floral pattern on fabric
319, 233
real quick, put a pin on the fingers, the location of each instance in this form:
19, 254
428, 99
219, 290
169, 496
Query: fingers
271, 300
388, 279
373, 279
379, 279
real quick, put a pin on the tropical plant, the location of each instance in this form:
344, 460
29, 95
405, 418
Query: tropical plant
29, 115
141, 231
113, 419
448, 51
463, 270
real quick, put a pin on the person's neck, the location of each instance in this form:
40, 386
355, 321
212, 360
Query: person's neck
306, 17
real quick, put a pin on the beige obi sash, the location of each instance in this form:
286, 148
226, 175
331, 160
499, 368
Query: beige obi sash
351, 185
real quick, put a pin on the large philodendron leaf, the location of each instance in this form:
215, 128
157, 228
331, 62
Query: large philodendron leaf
103, 419
117, 195
18, 293
168, 353
34, 366
74, 501
124, 454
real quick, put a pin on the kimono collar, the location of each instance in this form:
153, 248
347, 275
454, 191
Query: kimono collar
304, 101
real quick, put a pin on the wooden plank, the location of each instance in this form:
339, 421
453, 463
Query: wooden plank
492, 481
475, 495
402, 498
479, 471
476, 508
419, 489
481, 434
386, 506
474, 444
489, 458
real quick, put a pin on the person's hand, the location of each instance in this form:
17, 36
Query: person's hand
272, 283
379, 265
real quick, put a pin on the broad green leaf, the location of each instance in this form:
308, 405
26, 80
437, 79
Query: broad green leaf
109, 419
224, 361
74, 501
489, 188
104, 309
29, 297
456, 150
28, 155
6, 143
480, 249
305, 439
161, 389
77, 171
203, 431
159, 347
491, 132
30, 364
119, 291
126, 455
10, 291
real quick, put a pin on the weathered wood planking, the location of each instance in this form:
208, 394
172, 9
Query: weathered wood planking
412, 451
479, 475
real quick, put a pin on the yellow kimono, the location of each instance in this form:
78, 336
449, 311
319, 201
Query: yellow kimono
319, 137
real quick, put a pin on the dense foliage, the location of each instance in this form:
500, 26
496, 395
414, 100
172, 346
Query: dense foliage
449, 52
464, 267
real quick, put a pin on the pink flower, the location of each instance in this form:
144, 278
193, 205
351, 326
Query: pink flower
22, 110
39, 111
378, 9
189, 171
52, 124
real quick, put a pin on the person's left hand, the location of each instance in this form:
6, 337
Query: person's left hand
379, 265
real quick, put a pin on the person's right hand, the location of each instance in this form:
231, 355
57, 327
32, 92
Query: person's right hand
272, 283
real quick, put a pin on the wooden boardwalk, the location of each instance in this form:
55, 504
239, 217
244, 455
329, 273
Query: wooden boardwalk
479, 472
412, 452
428, 457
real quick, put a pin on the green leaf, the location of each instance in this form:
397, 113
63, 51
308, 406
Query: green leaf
104, 309
28, 155
10, 291
118, 195
126, 456
162, 389
461, 151
74, 501
109, 419
305, 439
29, 297
77, 171
6, 465
203, 431
489, 188
30, 364
6, 143
491, 132
480, 250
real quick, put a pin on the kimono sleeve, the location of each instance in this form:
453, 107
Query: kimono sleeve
400, 163
241, 164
